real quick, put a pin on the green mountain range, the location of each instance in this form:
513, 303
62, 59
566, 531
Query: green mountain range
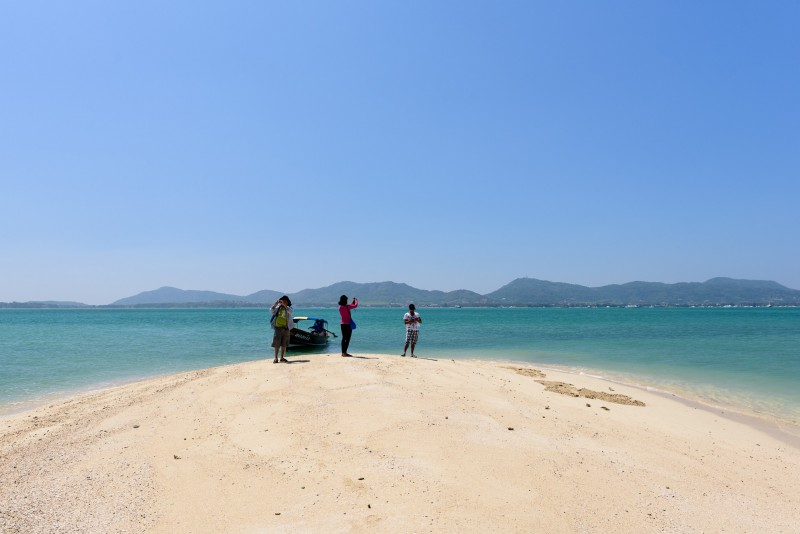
520, 292
376, 294
714, 292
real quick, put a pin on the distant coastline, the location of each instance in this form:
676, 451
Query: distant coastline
522, 292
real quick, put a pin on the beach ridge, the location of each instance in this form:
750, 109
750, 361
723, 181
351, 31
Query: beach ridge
383, 444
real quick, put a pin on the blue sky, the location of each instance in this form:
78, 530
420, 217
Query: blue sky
238, 146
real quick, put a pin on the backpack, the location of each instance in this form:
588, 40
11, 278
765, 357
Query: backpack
280, 318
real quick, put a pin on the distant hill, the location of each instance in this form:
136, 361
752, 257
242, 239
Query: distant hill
714, 292
530, 291
173, 295
386, 294
520, 292
266, 296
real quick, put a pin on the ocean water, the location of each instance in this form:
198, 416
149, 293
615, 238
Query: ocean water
742, 358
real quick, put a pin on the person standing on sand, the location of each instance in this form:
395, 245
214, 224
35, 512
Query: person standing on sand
281, 321
347, 322
412, 321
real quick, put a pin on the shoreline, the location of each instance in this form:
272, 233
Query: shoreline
8, 409
381, 443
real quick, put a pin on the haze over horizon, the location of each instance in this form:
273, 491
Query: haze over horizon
241, 146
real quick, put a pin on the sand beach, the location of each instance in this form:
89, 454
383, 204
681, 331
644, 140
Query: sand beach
381, 443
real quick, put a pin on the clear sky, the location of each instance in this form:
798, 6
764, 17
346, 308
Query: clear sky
244, 145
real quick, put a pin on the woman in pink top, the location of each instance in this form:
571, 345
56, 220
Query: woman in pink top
347, 329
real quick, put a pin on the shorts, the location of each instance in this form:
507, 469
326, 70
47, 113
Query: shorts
411, 336
281, 337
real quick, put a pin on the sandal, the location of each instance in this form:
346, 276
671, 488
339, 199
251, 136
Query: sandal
284, 360
275, 361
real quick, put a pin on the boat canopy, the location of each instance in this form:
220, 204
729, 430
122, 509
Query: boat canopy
303, 318
319, 324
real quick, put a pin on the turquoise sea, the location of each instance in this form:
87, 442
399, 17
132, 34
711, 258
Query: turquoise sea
743, 358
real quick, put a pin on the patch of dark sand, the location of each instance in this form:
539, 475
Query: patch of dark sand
568, 389
524, 371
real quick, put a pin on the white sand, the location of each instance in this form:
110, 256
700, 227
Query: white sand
387, 444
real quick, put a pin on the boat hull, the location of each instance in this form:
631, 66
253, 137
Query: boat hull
301, 338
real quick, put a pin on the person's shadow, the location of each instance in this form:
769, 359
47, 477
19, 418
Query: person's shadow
297, 361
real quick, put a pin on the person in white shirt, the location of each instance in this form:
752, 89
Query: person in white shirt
412, 321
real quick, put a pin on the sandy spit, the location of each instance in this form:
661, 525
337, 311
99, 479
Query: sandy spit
387, 444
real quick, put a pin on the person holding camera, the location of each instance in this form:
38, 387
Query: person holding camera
412, 321
282, 323
347, 323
